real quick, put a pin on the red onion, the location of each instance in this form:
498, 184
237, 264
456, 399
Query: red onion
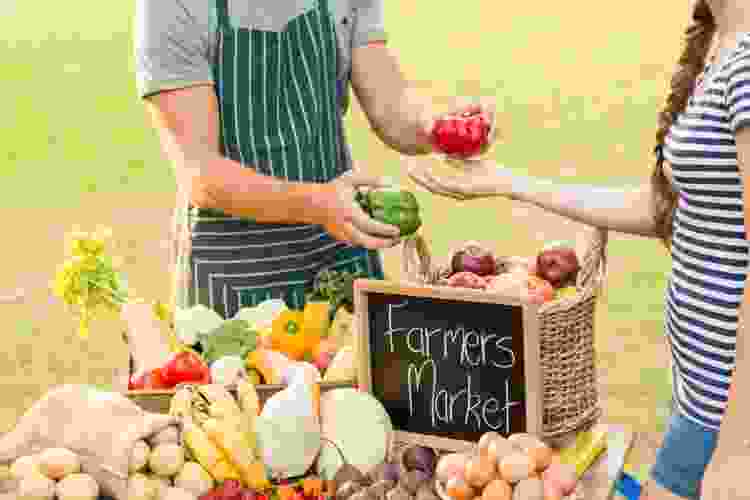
473, 258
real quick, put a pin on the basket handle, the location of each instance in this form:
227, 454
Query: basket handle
417, 260
594, 264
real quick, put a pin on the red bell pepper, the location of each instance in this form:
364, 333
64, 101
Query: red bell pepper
186, 367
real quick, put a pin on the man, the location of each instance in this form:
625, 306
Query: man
248, 98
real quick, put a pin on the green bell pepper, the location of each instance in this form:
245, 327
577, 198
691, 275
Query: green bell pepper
392, 206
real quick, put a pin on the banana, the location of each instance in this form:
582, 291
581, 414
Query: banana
226, 426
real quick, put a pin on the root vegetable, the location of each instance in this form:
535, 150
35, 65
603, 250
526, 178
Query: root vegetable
516, 467
563, 475
522, 440
77, 487
169, 434
398, 493
380, 488
5, 473
450, 466
497, 489
486, 440
363, 494
386, 471
552, 491
529, 489
36, 486
419, 457
458, 489
178, 494
425, 492
541, 456
479, 471
56, 463
139, 456
24, 466
166, 459
499, 449
141, 487
413, 479
473, 258
194, 478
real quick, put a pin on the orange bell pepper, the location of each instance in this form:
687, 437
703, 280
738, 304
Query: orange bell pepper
287, 335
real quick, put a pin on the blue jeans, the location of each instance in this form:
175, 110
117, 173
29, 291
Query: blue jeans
683, 456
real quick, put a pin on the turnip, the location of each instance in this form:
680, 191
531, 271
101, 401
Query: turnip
36, 486
139, 456
56, 463
194, 478
77, 487
166, 459
24, 466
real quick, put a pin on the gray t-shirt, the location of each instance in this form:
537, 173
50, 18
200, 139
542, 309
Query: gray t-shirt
175, 40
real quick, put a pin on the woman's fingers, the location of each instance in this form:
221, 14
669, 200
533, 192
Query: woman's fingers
359, 178
423, 179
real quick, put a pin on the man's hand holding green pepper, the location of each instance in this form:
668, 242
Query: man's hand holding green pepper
392, 206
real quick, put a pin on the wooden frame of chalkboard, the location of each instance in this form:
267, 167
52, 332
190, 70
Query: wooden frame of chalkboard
395, 377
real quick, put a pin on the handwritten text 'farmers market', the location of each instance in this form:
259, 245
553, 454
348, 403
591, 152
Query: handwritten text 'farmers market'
475, 349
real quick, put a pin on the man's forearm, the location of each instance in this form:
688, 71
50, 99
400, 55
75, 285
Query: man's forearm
626, 210
401, 123
219, 183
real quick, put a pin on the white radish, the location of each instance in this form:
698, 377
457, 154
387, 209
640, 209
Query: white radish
139, 456
167, 459
56, 463
77, 487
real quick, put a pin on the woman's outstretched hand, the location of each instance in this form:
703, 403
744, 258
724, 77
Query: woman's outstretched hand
474, 179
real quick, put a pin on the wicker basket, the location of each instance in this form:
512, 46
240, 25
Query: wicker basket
566, 336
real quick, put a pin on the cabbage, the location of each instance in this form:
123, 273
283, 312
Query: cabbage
262, 315
227, 369
359, 425
192, 322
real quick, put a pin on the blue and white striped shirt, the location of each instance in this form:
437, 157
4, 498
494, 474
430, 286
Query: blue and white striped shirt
709, 245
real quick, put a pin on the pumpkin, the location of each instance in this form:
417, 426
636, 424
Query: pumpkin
287, 334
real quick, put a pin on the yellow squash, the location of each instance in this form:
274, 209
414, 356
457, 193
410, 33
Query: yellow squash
315, 323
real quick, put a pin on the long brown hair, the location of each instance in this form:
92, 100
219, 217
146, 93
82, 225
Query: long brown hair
698, 37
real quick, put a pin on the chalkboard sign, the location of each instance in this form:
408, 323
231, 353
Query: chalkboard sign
449, 364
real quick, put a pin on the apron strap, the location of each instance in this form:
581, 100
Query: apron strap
222, 15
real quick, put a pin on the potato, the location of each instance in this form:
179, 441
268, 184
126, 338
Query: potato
380, 488
529, 489
516, 467
498, 449
425, 492
139, 456
458, 489
398, 493
166, 459
347, 489
78, 487
479, 471
450, 466
486, 440
24, 466
36, 486
541, 456
497, 489
522, 440
56, 463
562, 475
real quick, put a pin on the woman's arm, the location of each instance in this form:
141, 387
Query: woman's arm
623, 209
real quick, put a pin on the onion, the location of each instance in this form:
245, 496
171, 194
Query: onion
419, 457
474, 258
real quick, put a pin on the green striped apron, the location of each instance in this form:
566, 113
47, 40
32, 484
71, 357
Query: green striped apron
280, 105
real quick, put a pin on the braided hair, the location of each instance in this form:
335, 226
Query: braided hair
698, 37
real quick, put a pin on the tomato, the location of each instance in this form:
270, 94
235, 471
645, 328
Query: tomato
148, 380
186, 366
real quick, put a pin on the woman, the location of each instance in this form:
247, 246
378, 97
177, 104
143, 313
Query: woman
696, 203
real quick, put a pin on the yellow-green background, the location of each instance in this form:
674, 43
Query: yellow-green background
577, 84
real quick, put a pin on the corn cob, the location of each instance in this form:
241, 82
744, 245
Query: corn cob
224, 426
205, 452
